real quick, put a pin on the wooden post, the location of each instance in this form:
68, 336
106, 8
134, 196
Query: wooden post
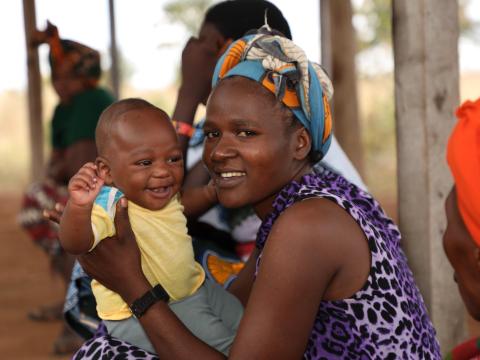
345, 100
34, 94
325, 36
425, 38
114, 73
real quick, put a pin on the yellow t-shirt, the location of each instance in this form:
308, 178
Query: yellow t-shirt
165, 247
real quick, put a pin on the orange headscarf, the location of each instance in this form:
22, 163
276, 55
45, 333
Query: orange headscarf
463, 156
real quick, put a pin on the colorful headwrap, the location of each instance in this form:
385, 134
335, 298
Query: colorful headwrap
463, 156
283, 68
77, 58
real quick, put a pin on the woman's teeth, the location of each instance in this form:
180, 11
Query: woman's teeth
231, 174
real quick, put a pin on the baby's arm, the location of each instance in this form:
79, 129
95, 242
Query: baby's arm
197, 200
76, 234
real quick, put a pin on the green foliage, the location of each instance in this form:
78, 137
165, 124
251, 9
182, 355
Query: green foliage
189, 13
375, 22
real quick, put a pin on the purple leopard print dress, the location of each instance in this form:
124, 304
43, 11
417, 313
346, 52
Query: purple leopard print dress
386, 319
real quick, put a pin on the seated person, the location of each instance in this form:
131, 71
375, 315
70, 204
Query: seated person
140, 158
461, 240
75, 76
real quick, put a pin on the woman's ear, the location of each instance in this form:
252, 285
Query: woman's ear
103, 170
303, 143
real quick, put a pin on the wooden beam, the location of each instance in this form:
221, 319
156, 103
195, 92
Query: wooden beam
114, 71
34, 94
425, 38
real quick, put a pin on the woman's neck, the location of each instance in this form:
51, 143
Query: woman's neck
265, 207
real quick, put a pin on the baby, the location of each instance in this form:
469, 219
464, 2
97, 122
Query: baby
139, 157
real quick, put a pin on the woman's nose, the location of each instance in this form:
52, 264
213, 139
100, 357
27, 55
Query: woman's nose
222, 150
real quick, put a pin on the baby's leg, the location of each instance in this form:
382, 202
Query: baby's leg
131, 331
225, 305
199, 316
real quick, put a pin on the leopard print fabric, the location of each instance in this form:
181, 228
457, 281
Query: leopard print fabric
387, 318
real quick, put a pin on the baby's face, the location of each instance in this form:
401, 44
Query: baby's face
145, 158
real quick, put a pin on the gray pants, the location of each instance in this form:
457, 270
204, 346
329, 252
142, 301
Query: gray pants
212, 314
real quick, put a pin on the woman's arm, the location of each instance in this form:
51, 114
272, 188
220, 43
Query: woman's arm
197, 200
298, 266
78, 154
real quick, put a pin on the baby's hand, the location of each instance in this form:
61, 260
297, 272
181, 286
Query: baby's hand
85, 185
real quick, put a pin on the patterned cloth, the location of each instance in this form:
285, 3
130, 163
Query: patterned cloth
463, 156
40, 196
387, 318
283, 68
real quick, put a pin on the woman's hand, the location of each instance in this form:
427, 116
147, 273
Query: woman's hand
115, 261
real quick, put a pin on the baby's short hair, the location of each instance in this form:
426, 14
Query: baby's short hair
111, 115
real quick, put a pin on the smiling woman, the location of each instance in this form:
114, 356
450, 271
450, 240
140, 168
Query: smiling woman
328, 278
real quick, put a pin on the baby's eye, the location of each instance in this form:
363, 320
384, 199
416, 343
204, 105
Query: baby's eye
144, 163
246, 133
174, 159
211, 134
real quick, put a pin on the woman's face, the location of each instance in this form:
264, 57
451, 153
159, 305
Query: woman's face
249, 149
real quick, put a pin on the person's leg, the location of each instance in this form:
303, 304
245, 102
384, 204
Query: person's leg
198, 315
225, 305
131, 331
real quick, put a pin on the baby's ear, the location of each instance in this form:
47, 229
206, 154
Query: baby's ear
103, 170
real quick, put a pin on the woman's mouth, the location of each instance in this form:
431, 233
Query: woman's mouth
227, 179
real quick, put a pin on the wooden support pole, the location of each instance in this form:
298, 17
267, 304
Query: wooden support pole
325, 36
346, 120
114, 72
425, 38
34, 94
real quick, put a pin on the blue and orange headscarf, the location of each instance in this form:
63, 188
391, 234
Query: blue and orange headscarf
279, 65
463, 157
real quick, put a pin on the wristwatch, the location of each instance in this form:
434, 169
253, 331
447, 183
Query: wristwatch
143, 303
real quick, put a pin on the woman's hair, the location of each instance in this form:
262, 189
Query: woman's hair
233, 18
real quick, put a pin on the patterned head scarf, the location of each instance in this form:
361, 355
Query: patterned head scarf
76, 58
283, 68
463, 156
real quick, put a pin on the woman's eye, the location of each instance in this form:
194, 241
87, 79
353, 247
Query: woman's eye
211, 134
144, 163
246, 133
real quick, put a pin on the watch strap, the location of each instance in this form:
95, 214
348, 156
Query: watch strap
144, 302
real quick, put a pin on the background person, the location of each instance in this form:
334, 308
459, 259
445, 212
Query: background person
75, 73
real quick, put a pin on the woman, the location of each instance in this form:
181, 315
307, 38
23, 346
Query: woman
75, 72
223, 23
328, 278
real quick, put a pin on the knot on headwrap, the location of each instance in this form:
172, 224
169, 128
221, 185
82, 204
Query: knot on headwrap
463, 157
76, 58
282, 67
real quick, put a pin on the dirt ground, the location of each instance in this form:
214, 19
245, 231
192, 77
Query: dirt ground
26, 283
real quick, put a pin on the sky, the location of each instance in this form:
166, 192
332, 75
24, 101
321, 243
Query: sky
152, 45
